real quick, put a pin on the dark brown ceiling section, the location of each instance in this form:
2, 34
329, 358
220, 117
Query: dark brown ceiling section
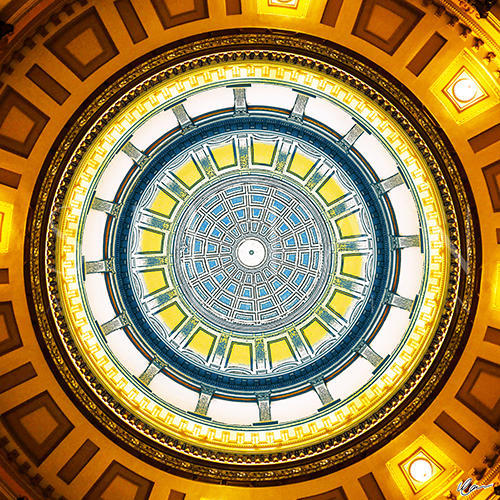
233, 7
9, 333
486, 138
480, 391
426, 54
9, 178
336, 494
78, 461
461, 435
45, 82
176, 495
131, 20
170, 18
371, 487
491, 176
22, 123
373, 26
331, 12
492, 335
16, 377
38, 426
72, 43
115, 472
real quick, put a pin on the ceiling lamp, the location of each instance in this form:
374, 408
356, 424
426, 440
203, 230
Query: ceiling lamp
421, 470
464, 90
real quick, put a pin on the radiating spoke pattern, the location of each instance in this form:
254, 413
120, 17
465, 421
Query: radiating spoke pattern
215, 241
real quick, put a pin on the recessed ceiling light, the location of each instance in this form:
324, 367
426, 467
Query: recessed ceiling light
421, 470
463, 90
283, 3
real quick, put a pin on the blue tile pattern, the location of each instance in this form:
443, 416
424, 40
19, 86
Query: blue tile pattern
294, 273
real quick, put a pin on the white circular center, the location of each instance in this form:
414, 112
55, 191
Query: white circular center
465, 90
421, 470
251, 252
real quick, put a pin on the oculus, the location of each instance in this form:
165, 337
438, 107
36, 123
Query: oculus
242, 256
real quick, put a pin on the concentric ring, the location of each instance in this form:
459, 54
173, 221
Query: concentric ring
269, 290
171, 379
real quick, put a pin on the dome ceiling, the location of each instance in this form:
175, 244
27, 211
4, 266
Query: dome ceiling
224, 257
248, 243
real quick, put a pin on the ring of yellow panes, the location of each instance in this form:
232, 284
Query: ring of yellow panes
227, 154
223, 437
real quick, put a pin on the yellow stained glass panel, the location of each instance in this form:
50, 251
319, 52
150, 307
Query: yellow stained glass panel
349, 226
331, 191
263, 153
300, 165
202, 343
172, 316
163, 203
352, 265
241, 354
154, 280
279, 351
151, 241
314, 332
188, 174
224, 156
341, 303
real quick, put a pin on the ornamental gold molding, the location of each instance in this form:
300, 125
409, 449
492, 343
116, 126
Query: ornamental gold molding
193, 459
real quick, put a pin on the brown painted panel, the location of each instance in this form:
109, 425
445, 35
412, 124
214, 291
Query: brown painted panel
50, 86
9, 333
371, 487
78, 461
386, 23
336, 494
480, 391
170, 17
176, 495
233, 7
461, 435
107, 483
16, 377
4, 276
9, 178
485, 138
38, 426
84, 44
426, 54
28, 119
131, 20
10, 8
492, 335
492, 177
331, 12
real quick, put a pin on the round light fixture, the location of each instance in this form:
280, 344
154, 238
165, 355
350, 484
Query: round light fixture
465, 89
421, 470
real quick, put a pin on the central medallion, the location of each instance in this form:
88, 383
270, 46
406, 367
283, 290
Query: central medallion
252, 253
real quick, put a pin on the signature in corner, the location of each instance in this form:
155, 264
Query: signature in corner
466, 488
